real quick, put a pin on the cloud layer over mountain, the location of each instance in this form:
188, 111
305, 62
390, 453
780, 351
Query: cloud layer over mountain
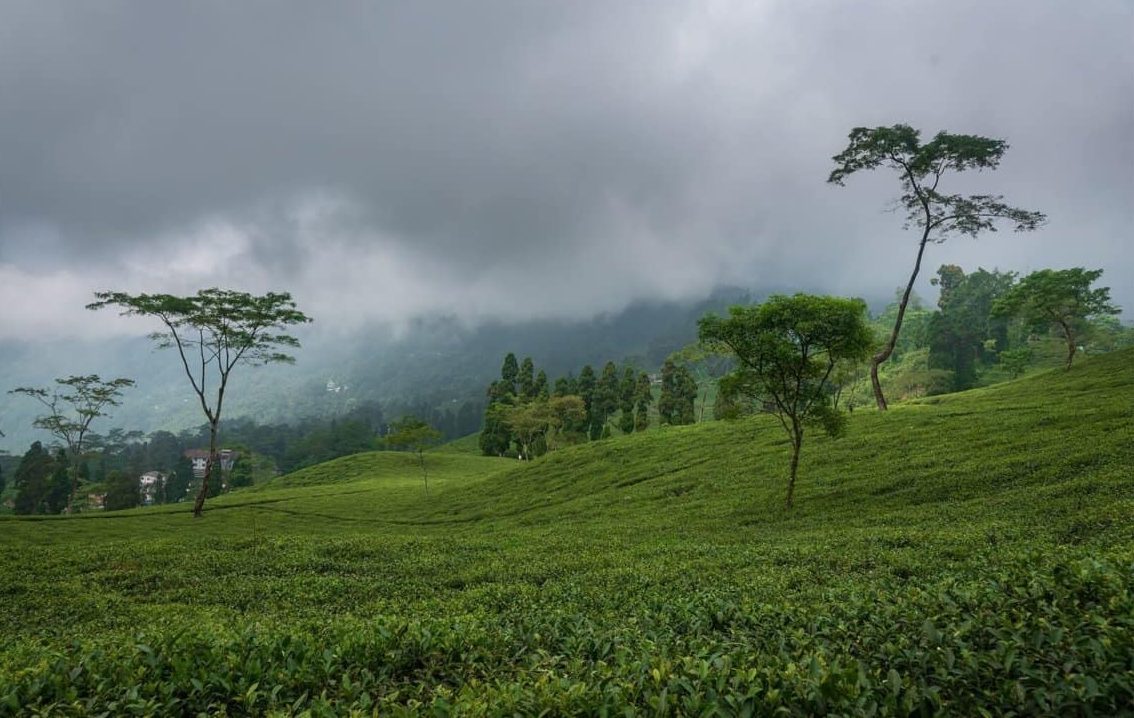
519, 159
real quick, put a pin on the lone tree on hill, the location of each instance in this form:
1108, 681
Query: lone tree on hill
214, 331
920, 168
72, 406
787, 350
1060, 298
413, 434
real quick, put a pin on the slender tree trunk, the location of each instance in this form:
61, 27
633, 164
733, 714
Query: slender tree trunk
796, 445
424, 474
888, 349
1070, 336
74, 487
210, 464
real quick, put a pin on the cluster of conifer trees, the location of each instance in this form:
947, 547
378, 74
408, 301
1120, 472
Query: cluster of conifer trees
527, 414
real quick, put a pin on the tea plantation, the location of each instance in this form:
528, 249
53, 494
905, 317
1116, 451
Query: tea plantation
970, 554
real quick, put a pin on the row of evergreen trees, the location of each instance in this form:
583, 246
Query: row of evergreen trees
525, 411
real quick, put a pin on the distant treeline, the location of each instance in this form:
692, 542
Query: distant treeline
36, 482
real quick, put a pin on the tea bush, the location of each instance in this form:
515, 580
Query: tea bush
972, 554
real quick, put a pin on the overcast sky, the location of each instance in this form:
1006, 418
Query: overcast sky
520, 159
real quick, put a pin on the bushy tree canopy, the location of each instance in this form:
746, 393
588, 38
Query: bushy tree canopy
787, 350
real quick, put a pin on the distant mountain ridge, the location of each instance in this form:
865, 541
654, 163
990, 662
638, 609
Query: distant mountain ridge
436, 360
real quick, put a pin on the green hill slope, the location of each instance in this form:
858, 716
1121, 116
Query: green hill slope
963, 553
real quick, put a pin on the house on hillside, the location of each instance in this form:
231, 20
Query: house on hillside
150, 486
200, 458
96, 501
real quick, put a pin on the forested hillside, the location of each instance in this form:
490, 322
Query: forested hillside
432, 365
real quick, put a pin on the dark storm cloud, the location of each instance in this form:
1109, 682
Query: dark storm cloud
538, 158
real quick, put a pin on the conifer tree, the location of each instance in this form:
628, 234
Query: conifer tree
495, 437
626, 390
678, 394
509, 372
585, 387
31, 480
525, 381
643, 397
566, 386
606, 399
541, 391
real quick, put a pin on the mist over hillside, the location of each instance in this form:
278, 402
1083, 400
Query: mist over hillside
439, 361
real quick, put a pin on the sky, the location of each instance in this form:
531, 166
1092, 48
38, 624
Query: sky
507, 160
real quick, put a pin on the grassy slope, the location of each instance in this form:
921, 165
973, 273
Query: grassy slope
672, 544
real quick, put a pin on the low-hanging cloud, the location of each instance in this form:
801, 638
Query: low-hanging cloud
515, 159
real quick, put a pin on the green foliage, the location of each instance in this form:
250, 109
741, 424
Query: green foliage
627, 388
964, 335
786, 350
921, 166
241, 474
978, 562
121, 491
1059, 299
339, 437
413, 434
525, 381
678, 394
496, 437
179, 479
37, 484
509, 372
1015, 361
72, 406
643, 397
529, 423
604, 401
540, 390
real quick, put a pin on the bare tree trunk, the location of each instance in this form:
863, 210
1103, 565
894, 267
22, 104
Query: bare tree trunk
796, 445
74, 486
1067, 333
210, 464
888, 349
424, 474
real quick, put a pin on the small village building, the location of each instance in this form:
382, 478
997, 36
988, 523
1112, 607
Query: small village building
200, 458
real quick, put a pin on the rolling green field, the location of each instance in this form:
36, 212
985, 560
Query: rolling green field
964, 554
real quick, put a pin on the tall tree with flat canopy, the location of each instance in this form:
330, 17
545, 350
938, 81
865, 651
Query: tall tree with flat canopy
72, 406
787, 350
1058, 298
214, 331
938, 215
